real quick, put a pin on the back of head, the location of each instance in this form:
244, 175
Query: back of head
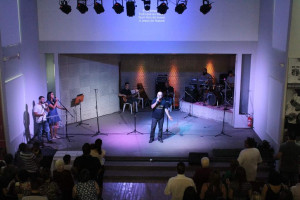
190, 194
180, 168
205, 162
84, 176
23, 175
86, 149
67, 159
250, 142
59, 165
274, 178
22, 147
98, 145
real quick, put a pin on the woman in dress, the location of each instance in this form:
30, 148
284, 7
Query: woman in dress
53, 117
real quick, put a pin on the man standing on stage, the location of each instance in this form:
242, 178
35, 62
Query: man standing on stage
159, 107
40, 111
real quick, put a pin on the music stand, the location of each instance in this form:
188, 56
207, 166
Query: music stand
78, 101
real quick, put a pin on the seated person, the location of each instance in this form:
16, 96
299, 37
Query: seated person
126, 95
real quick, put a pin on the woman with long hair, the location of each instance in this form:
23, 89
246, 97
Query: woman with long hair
240, 188
214, 189
53, 117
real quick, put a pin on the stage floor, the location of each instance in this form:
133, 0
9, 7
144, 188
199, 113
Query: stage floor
190, 135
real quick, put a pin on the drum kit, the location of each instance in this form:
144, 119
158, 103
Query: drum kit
216, 94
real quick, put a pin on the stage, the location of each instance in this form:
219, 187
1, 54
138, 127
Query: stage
191, 134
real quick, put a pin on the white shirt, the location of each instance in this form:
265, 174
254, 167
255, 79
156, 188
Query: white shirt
249, 158
177, 185
296, 191
40, 109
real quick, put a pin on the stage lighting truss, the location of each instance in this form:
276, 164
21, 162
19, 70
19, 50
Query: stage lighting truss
81, 6
98, 6
130, 8
206, 6
64, 7
118, 6
180, 6
162, 6
147, 4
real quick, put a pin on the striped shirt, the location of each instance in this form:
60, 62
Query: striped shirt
29, 161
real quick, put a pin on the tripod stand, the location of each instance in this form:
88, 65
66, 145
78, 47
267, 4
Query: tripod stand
66, 124
135, 131
191, 107
98, 132
222, 132
78, 100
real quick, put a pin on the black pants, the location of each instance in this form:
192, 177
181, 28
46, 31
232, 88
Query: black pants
160, 123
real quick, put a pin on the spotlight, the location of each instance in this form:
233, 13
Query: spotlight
98, 6
147, 4
64, 7
162, 7
118, 7
205, 8
81, 6
180, 6
130, 8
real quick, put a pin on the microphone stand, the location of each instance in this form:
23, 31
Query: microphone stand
66, 124
135, 131
98, 132
167, 132
191, 107
222, 132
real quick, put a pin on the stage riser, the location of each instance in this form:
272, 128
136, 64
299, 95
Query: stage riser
207, 112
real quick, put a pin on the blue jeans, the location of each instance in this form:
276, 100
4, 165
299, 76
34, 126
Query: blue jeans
43, 126
160, 123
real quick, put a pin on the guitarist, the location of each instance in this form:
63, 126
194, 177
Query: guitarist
126, 95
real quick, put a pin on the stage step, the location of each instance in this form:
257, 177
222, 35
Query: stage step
159, 171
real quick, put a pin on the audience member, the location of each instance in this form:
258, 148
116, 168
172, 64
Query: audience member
249, 158
190, 194
49, 188
214, 189
229, 175
31, 162
97, 151
296, 191
256, 196
86, 161
202, 175
85, 189
288, 154
239, 188
67, 162
23, 186
177, 185
35, 191
36, 150
271, 190
64, 180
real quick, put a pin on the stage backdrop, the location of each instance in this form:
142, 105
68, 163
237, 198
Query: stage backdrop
81, 74
179, 68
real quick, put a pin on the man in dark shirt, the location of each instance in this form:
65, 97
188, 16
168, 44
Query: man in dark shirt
126, 94
159, 107
86, 161
288, 154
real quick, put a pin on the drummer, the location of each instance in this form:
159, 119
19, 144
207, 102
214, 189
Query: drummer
205, 82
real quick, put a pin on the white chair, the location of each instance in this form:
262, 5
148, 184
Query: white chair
130, 104
140, 99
